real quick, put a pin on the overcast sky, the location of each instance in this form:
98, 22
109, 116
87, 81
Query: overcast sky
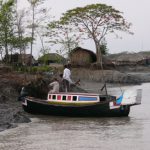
135, 11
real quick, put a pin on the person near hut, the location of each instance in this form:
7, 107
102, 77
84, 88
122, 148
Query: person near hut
66, 78
55, 86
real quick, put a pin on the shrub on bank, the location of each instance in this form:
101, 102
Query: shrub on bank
33, 69
41, 69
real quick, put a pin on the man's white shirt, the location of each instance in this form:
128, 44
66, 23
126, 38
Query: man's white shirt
67, 74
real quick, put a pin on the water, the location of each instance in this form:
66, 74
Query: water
64, 133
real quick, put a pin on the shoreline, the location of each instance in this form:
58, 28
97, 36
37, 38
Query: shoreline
11, 112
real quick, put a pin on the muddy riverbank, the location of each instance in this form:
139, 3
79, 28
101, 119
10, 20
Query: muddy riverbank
112, 76
10, 109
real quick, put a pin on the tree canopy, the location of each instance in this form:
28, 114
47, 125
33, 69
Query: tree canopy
63, 35
11, 30
6, 24
95, 21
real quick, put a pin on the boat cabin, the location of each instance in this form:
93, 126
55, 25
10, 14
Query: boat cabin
74, 97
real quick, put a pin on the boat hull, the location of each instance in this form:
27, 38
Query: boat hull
96, 109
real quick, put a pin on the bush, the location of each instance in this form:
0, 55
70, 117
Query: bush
33, 69
40, 69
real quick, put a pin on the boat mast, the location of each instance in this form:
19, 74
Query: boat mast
102, 69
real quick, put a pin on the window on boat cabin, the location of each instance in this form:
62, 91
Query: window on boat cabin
54, 97
74, 98
69, 98
49, 96
102, 99
64, 98
58, 97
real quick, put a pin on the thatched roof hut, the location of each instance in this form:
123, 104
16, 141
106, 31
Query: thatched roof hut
146, 57
127, 58
106, 64
27, 59
145, 54
21, 59
52, 58
80, 57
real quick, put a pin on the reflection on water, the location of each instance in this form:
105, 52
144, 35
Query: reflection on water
66, 133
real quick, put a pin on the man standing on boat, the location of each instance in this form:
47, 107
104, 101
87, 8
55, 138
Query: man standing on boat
66, 78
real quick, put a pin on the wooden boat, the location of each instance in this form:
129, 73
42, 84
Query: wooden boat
83, 104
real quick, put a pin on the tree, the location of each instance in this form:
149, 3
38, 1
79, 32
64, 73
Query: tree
95, 21
20, 41
1, 53
63, 35
36, 21
103, 47
6, 24
33, 6
11, 28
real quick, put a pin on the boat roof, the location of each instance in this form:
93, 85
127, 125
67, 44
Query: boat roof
75, 93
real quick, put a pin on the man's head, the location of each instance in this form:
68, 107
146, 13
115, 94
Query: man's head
55, 79
69, 66
65, 66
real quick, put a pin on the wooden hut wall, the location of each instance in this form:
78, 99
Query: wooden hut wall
81, 58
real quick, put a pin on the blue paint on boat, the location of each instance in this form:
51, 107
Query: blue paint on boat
119, 100
81, 98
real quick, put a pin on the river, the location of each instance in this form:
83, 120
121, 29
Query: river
66, 133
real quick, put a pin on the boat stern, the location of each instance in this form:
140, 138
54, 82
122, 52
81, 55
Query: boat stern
132, 97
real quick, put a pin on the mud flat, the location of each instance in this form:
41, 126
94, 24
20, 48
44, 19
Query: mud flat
11, 111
